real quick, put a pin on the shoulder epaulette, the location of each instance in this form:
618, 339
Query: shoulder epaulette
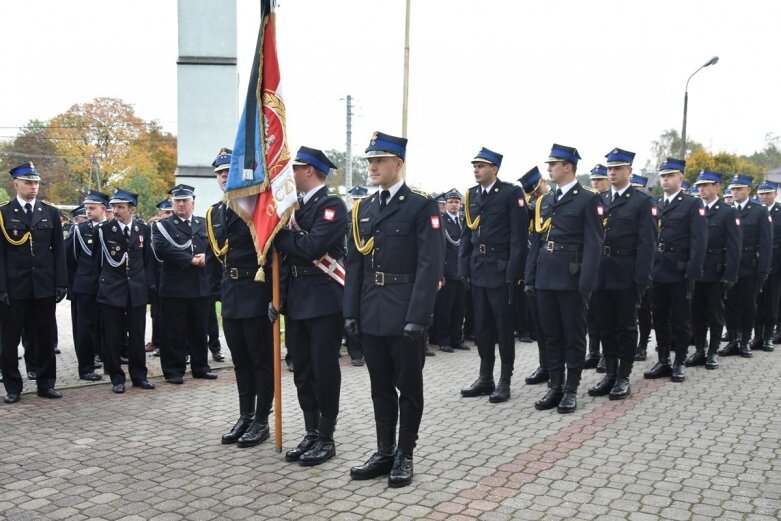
4, 203
590, 189
43, 201
421, 193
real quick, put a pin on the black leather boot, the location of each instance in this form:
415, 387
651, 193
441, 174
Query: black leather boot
744, 349
539, 376
402, 471
484, 384
502, 392
733, 340
246, 415
698, 357
554, 394
381, 462
679, 370
767, 340
601, 365
592, 358
609, 380
622, 389
258, 431
641, 353
324, 448
569, 400
310, 424
662, 367
756, 342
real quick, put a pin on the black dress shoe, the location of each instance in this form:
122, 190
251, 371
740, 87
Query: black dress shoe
32, 375
550, 400
501, 393
91, 377
604, 387
601, 365
178, 380
144, 384
446, 349
307, 443
767, 346
429, 352
321, 451
123, 360
379, 464
57, 351
621, 389
402, 471
730, 349
12, 398
591, 362
641, 355
745, 350
156, 352
238, 430
712, 361
679, 372
659, 370
569, 401
461, 347
539, 376
209, 375
218, 356
290, 366
482, 386
358, 362
118, 388
526, 339
697, 358
51, 392
257, 433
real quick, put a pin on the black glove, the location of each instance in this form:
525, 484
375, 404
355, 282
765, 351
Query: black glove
59, 294
413, 332
690, 287
529, 291
4, 298
351, 327
273, 313
726, 285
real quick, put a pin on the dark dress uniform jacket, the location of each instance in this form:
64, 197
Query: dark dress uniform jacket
504, 224
682, 237
629, 240
179, 278
775, 214
408, 240
453, 233
725, 241
576, 223
323, 223
78, 255
32, 271
242, 296
757, 240
125, 285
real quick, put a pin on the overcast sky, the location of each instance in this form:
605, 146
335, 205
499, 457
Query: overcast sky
509, 75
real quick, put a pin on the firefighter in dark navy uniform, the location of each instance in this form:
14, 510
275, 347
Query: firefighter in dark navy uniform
535, 186
719, 271
681, 244
180, 242
755, 266
245, 307
492, 257
125, 265
594, 359
767, 303
394, 264
313, 248
33, 279
644, 322
624, 272
562, 272
354, 348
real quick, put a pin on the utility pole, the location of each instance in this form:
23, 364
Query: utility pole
348, 159
405, 102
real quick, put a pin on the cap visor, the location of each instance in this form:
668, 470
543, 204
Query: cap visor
665, 172
378, 153
617, 163
703, 182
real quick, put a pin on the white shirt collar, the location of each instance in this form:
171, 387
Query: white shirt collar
392, 189
672, 197
710, 204
567, 187
613, 191
22, 202
310, 193
488, 188
453, 216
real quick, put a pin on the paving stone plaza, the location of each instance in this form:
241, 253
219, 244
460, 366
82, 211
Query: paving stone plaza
704, 449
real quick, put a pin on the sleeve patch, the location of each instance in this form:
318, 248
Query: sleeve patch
702, 212
521, 202
654, 211
600, 210
329, 214
435, 222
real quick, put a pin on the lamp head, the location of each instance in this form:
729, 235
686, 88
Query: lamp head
712, 61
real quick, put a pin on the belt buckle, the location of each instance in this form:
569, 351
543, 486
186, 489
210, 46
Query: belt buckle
233, 273
661, 247
294, 271
606, 251
379, 278
550, 245
482, 249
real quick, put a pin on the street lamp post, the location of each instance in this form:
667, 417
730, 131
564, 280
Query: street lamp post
712, 61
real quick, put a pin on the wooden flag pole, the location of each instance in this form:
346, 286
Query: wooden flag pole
277, 354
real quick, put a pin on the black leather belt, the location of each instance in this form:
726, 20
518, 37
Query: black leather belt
380, 278
305, 271
667, 248
491, 248
608, 251
716, 251
750, 248
555, 246
240, 273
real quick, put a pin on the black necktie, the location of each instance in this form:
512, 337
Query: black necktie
615, 196
666, 202
556, 196
187, 222
384, 196
127, 233
28, 208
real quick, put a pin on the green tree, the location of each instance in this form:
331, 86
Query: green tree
722, 163
669, 145
769, 157
336, 179
3, 195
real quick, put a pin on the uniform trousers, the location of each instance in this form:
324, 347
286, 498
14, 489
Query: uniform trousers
120, 324
318, 378
396, 364
213, 330
251, 343
644, 315
672, 313
87, 337
708, 311
767, 302
449, 313
494, 322
184, 332
563, 321
616, 310
741, 306
34, 316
